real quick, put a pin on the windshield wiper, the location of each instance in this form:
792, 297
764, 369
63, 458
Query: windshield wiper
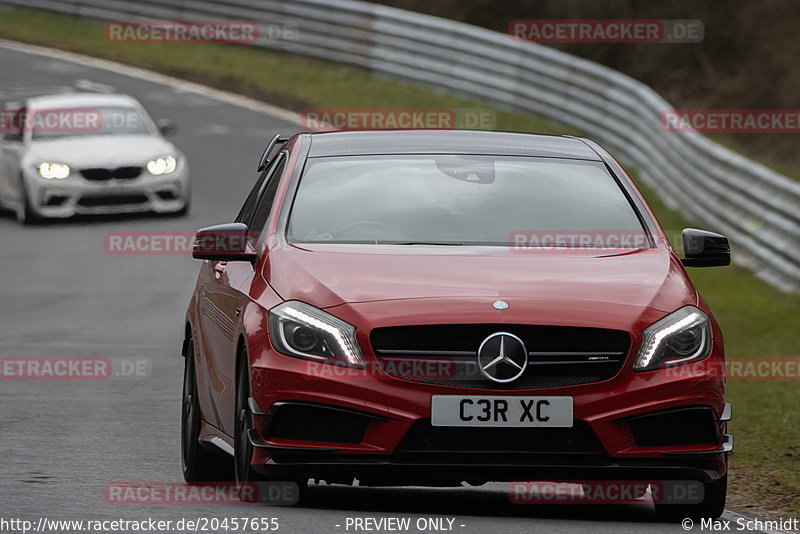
437, 243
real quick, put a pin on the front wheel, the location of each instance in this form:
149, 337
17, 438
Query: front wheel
199, 465
242, 425
712, 506
24, 213
243, 449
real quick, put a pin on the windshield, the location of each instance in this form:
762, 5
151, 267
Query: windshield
104, 120
457, 200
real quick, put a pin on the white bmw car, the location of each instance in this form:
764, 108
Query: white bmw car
88, 153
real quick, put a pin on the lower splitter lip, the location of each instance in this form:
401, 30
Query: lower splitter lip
449, 467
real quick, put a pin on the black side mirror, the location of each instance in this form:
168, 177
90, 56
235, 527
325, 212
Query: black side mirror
223, 242
705, 249
13, 135
12, 121
166, 127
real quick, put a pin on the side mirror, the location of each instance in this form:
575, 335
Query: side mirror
166, 127
13, 135
12, 121
705, 249
223, 242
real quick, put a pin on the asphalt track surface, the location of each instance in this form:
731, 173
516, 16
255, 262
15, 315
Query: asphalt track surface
61, 294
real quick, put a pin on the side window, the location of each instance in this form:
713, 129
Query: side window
249, 208
264, 206
246, 213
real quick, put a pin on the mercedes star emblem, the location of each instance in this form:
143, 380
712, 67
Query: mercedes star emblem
502, 357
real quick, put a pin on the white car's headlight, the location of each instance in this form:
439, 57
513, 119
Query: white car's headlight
165, 165
681, 337
303, 331
53, 171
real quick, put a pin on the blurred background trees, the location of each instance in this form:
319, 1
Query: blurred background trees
748, 58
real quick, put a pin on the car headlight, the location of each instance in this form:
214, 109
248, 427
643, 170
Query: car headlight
303, 331
165, 165
53, 171
681, 337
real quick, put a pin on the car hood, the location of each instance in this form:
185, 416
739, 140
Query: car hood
328, 275
100, 150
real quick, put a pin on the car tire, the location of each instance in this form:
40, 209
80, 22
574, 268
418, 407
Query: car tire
199, 464
23, 210
712, 506
243, 422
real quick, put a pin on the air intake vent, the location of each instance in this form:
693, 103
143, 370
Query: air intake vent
310, 422
684, 426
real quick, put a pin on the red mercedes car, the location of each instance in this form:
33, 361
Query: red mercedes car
438, 307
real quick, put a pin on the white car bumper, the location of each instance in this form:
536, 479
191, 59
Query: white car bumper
78, 195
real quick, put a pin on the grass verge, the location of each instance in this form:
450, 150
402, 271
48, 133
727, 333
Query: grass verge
758, 320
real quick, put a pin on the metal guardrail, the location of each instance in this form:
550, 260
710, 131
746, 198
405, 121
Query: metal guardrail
757, 208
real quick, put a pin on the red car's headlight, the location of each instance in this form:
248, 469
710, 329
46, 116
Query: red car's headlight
681, 337
303, 331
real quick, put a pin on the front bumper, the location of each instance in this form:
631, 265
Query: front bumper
393, 406
78, 196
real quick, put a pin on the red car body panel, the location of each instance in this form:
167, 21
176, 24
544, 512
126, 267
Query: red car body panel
329, 275
373, 286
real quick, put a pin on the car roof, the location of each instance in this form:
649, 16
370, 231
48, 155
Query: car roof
70, 100
477, 142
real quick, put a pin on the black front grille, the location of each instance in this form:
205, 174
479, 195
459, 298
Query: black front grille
120, 173
116, 200
306, 422
447, 354
674, 428
423, 437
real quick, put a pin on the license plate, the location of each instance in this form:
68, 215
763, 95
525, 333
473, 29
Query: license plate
457, 410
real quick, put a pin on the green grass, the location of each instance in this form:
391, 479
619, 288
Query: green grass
757, 320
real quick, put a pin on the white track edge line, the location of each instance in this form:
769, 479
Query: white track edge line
155, 77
